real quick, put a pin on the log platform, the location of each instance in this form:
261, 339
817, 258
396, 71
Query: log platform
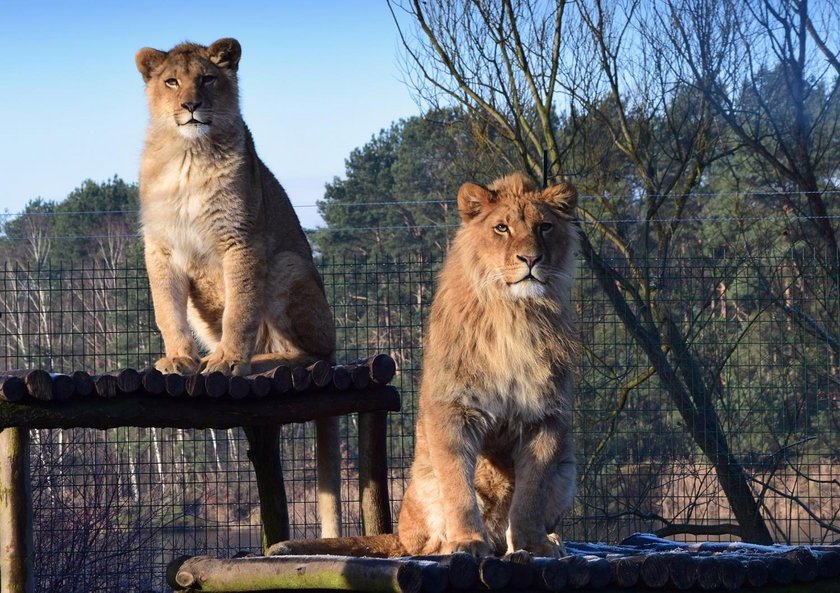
37, 398
640, 563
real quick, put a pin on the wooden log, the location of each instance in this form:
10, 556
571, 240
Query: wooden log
577, 571
38, 383
63, 387
463, 568
682, 570
216, 384
175, 385
756, 573
359, 377
82, 383
494, 573
281, 379
781, 570
549, 574
373, 473
301, 379
377, 575
128, 380
238, 387
804, 564
600, 572
16, 547
626, 570
828, 564
105, 385
733, 574
152, 381
260, 386
521, 570
380, 368
709, 574
145, 411
341, 378
12, 389
654, 571
435, 576
194, 385
321, 373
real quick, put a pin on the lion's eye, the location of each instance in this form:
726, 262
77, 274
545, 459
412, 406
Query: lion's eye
501, 228
545, 227
207, 80
171, 83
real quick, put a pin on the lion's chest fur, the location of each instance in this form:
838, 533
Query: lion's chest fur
501, 358
188, 204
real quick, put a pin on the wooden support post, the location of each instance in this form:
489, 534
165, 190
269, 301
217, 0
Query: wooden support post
373, 473
328, 454
16, 549
264, 453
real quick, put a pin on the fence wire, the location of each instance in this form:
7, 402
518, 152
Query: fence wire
113, 507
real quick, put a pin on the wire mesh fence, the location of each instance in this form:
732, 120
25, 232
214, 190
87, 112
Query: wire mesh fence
760, 328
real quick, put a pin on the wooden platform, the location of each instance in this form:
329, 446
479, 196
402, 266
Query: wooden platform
640, 563
37, 398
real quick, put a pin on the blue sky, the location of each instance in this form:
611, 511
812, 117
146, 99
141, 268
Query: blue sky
317, 79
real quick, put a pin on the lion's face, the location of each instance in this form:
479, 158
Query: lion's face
192, 89
521, 239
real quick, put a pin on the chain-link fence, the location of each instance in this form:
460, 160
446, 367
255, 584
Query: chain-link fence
752, 339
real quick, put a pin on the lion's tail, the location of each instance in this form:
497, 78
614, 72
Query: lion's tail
373, 546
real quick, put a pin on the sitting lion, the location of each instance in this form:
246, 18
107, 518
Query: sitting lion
494, 467
225, 253
227, 259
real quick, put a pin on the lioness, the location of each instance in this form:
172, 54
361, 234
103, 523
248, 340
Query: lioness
494, 467
225, 253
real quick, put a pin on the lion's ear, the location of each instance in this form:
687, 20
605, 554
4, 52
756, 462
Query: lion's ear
148, 60
225, 53
472, 199
562, 198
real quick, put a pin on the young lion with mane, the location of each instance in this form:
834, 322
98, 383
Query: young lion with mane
494, 467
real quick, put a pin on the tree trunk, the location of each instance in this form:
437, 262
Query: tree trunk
692, 402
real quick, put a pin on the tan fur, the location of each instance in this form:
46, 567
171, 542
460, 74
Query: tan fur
228, 262
494, 467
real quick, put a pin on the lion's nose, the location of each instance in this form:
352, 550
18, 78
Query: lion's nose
191, 106
531, 260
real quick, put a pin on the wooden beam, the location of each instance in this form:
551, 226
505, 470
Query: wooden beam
144, 410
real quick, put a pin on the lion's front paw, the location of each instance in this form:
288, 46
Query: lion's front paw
550, 547
183, 365
214, 363
475, 547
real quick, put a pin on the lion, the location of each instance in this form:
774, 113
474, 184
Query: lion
229, 267
494, 467
226, 256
